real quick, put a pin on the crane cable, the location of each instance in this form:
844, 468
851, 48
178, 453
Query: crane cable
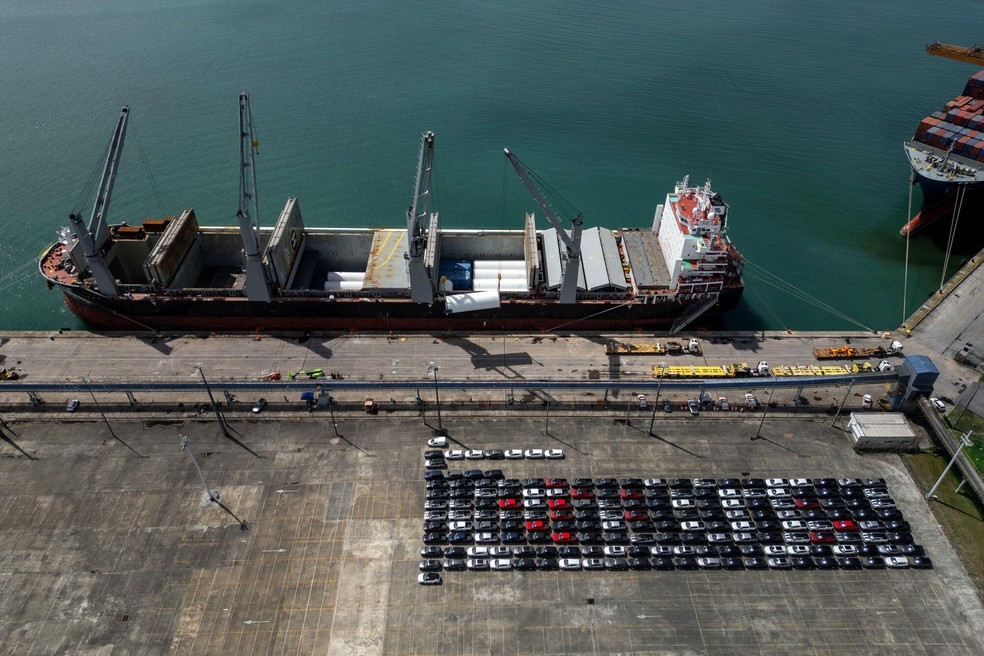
908, 233
785, 286
961, 192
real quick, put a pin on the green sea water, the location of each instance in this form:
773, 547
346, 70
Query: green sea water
796, 111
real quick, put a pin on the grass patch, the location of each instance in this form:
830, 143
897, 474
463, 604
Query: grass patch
971, 422
960, 515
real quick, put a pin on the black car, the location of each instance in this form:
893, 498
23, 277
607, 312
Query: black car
913, 550
825, 562
586, 515
592, 552
750, 550
587, 504
693, 537
873, 562
590, 537
838, 513
454, 552
604, 504
634, 504
485, 504
642, 538
462, 483
827, 492
920, 562
658, 504
461, 537
685, 562
524, 564
732, 563
713, 514
607, 493
814, 514
538, 537
474, 474
461, 493
615, 537
494, 474
729, 550
512, 525
686, 514
606, 482
630, 482
668, 538
770, 537
433, 455
454, 475
435, 538
433, 475
642, 526
756, 563
582, 482
705, 493
570, 552
753, 482
513, 537
729, 483
564, 526
899, 525
899, 537
434, 526
759, 504
589, 525
639, 563
616, 564
546, 563
662, 563
431, 552
436, 494
820, 550
803, 562
495, 454
454, 564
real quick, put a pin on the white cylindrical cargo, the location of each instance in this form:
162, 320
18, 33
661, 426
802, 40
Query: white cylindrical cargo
498, 265
343, 285
348, 276
488, 300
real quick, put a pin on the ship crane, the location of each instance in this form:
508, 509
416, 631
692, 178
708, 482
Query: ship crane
572, 262
94, 237
257, 288
973, 55
422, 227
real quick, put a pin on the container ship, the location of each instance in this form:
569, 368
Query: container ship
947, 156
176, 274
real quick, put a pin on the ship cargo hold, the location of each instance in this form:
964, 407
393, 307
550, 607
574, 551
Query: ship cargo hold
174, 273
947, 156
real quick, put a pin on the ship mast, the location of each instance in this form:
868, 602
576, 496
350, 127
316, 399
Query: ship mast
257, 288
419, 226
572, 262
94, 237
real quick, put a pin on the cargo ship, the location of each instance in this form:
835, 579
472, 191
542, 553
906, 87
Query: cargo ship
173, 273
947, 157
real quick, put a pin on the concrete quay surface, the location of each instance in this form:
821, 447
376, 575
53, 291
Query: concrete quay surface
71, 356
113, 548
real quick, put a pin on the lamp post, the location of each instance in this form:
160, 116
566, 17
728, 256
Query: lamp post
212, 496
964, 441
659, 383
432, 370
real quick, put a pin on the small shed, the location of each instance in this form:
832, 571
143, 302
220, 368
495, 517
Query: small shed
882, 431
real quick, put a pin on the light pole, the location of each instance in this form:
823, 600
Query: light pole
331, 410
212, 496
659, 383
765, 411
432, 370
215, 406
964, 441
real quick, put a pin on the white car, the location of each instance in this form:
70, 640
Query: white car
788, 514
501, 565
514, 454
684, 503
729, 493
474, 454
534, 493
691, 526
460, 526
776, 482
732, 503
534, 454
794, 525
429, 578
500, 552
844, 550
800, 482
897, 562
435, 515
743, 526
751, 401
777, 493
437, 441
570, 563
775, 550
939, 405
478, 552
556, 492
454, 454
798, 550
866, 401
477, 564
530, 504
554, 454
615, 552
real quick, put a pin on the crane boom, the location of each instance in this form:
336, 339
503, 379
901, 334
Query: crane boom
572, 242
973, 55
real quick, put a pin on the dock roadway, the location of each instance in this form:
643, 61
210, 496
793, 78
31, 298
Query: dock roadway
106, 551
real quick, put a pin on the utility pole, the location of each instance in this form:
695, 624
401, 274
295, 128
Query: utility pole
964, 441
837, 414
215, 406
432, 371
212, 496
331, 410
659, 383
765, 411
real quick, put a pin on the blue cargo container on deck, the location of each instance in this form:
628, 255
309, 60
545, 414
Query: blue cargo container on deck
459, 272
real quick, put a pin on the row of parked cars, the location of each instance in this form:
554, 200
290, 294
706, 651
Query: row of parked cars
792, 520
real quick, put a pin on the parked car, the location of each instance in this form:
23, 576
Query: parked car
429, 578
72, 406
693, 407
258, 407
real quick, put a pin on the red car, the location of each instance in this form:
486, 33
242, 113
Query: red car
558, 504
556, 482
564, 538
636, 516
630, 494
582, 493
807, 504
845, 525
537, 525
561, 515
817, 537
510, 503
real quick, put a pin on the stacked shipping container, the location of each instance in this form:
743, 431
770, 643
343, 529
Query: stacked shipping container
960, 126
